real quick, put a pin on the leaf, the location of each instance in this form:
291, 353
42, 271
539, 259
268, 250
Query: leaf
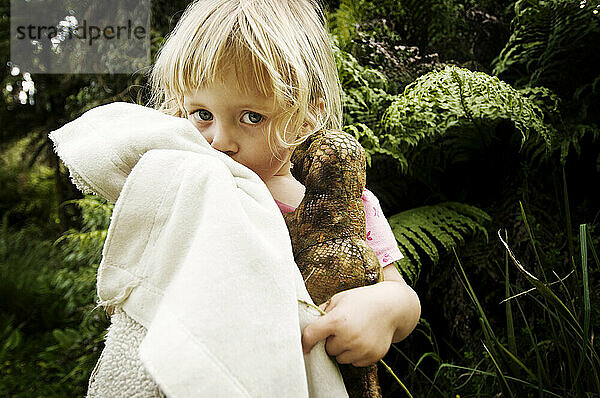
430, 229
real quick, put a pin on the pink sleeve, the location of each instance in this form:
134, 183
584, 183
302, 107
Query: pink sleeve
379, 233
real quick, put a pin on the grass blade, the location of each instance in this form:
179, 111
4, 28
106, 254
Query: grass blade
541, 370
533, 244
518, 362
473, 297
546, 292
586, 297
432, 382
594, 254
390, 371
485, 325
514, 379
510, 328
499, 372
428, 354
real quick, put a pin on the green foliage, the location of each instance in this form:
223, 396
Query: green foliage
547, 347
568, 130
547, 45
52, 336
554, 44
375, 44
364, 89
425, 24
370, 142
10, 335
26, 263
26, 194
564, 329
427, 229
462, 108
85, 245
365, 102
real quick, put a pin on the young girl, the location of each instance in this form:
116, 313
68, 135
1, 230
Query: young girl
256, 78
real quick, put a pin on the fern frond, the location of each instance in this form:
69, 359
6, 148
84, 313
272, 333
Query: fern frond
371, 143
426, 230
547, 38
454, 102
343, 20
555, 44
571, 129
364, 95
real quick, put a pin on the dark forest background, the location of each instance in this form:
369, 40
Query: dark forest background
480, 121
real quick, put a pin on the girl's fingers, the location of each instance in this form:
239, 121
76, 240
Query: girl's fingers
334, 347
355, 359
319, 330
346, 357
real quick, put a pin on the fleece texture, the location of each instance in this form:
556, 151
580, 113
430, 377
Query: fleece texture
198, 253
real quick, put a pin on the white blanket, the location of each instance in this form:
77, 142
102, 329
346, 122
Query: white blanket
198, 253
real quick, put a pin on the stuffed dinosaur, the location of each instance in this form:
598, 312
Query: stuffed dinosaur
328, 233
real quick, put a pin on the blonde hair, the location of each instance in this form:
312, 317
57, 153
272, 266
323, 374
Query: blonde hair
286, 44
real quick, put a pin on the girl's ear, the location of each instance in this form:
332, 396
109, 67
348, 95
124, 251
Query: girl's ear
321, 105
305, 130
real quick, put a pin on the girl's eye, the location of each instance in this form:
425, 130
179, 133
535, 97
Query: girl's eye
253, 117
203, 114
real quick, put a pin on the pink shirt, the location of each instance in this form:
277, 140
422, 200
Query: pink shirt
379, 233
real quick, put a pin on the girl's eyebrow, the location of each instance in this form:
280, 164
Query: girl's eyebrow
245, 105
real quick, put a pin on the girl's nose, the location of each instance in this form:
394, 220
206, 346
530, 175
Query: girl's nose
223, 141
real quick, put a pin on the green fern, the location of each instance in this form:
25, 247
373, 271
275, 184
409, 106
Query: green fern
343, 21
555, 44
546, 39
365, 100
371, 143
454, 103
364, 95
428, 229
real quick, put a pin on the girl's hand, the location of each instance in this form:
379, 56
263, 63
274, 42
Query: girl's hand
359, 324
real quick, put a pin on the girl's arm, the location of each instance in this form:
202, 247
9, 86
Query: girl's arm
361, 324
407, 309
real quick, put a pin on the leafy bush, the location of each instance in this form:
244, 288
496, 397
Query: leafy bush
26, 194
52, 334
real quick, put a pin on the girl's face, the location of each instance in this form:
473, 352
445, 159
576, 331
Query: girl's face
234, 123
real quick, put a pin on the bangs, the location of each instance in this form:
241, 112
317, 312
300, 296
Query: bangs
203, 52
231, 54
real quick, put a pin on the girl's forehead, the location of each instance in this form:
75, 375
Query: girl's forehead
242, 82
